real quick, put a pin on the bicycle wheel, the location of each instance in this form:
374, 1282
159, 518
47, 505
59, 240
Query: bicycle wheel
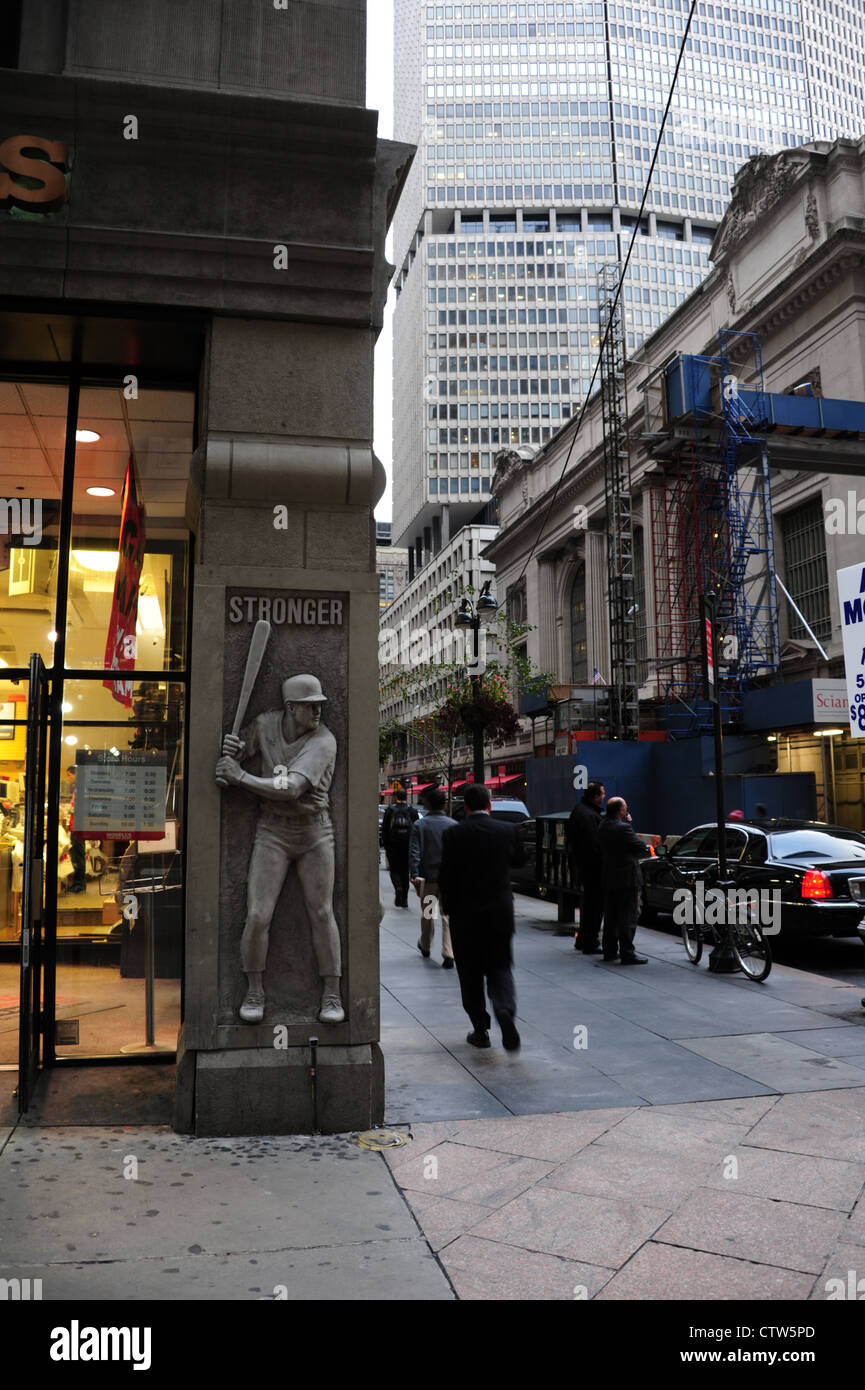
751, 949
693, 942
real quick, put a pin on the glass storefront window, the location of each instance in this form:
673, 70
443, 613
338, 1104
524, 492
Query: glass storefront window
115, 788
32, 434
158, 428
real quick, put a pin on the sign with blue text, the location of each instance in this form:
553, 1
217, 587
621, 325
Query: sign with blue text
851, 600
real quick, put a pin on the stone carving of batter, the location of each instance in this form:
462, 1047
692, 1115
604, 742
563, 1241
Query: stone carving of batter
298, 754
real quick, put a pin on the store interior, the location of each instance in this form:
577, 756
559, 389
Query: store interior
99, 957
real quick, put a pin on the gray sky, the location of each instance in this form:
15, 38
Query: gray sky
379, 94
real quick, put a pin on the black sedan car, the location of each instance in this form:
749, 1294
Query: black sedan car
817, 870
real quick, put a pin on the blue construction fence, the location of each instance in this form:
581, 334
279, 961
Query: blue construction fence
670, 787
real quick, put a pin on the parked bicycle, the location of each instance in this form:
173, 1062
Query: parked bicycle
745, 939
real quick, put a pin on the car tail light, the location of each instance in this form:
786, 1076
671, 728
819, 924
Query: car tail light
816, 884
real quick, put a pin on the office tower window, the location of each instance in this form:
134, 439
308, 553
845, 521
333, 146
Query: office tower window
517, 117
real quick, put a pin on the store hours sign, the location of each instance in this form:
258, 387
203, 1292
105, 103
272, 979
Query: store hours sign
851, 598
120, 796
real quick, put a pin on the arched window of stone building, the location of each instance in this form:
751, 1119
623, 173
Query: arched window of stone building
579, 628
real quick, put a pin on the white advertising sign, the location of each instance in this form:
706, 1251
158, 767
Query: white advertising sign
851, 599
831, 705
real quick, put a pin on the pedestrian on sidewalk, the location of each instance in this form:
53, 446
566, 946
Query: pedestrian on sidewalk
621, 852
581, 834
475, 887
396, 826
424, 862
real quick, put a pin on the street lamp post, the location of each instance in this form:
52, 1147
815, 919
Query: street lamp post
470, 617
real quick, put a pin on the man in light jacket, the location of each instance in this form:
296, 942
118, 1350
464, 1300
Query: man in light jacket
424, 857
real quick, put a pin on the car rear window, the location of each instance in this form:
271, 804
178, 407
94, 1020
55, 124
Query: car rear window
814, 844
516, 816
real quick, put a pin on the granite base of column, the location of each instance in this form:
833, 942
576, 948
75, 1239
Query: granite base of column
256, 1091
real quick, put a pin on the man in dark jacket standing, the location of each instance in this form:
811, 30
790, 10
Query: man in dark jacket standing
475, 888
621, 852
396, 825
582, 837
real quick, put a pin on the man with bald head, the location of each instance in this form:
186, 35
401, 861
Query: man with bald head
621, 852
297, 758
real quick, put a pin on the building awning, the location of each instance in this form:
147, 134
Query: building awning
495, 782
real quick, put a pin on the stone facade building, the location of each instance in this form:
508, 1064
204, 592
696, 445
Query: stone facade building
789, 267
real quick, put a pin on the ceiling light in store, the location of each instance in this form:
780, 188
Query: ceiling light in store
71, 740
86, 436
115, 752
3, 663
101, 492
52, 636
66, 707
827, 733
771, 738
103, 560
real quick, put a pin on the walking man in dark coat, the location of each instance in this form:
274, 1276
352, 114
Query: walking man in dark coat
396, 828
475, 890
621, 852
582, 837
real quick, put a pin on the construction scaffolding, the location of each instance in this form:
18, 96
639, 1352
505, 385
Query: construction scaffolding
624, 708
712, 532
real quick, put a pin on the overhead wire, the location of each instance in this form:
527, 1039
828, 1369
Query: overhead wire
618, 294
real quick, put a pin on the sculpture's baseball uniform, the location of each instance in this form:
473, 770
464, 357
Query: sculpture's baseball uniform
298, 832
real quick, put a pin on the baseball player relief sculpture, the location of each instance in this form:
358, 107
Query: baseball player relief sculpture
297, 758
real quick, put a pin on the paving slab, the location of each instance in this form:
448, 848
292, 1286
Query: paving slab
786, 1234
678, 1137
485, 1269
376, 1271
220, 1211
800, 1178
829, 1124
780, 1065
631, 1171
745, 1110
551, 1138
839, 1041
437, 1087
666, 1273
595, 1230
854, 1231
842, 1278
470, 1175
443, 1219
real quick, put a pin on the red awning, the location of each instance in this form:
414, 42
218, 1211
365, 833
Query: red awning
502, 781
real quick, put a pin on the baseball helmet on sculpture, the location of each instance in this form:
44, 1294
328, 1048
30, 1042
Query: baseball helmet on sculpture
302, 690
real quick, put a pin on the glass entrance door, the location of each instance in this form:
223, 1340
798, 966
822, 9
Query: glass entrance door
32, 884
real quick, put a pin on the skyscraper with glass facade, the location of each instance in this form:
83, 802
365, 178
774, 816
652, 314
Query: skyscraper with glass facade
535, 126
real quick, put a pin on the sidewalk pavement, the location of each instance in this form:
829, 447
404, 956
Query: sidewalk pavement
664, 1133
703, 1138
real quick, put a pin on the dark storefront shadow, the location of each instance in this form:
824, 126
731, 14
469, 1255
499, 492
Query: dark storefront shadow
101, 1095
